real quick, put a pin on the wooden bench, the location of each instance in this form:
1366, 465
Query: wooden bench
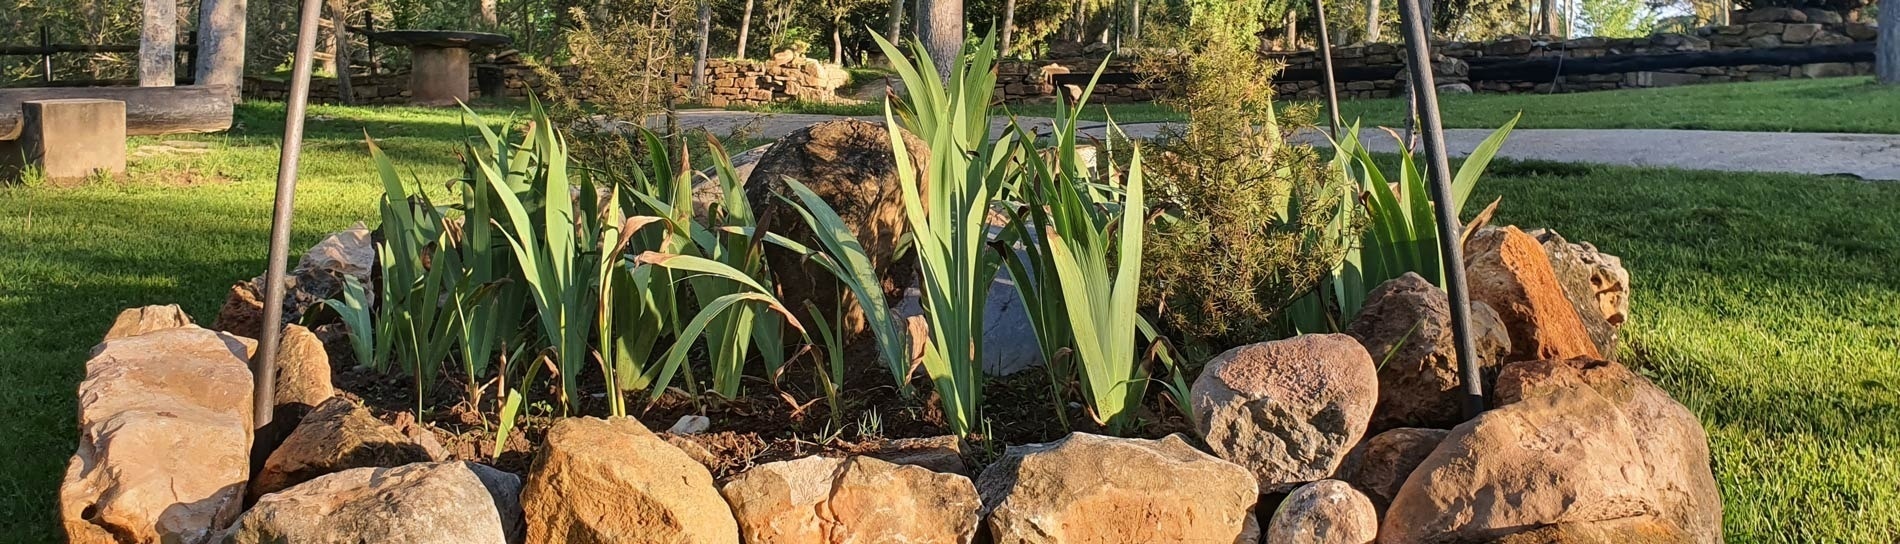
67, 133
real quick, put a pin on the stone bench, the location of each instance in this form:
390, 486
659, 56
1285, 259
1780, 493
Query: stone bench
70, 133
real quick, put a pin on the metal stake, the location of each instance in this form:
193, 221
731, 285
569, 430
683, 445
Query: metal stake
264, 362
1326, 65
1438, 167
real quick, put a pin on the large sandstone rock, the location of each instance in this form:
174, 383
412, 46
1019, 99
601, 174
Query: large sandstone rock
613, 481
318, 276
137, 321
1643, 529
940, 453
1087, 489
1380, 465
424, 503
1509, 271
1405, 324
1675, 449
337, 436
1569, 456
849, 164
1596, 284
164, 439
859, 500
1287, 410
303, 382
1324, 512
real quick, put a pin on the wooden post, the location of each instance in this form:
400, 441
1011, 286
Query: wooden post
340, 57
221, 44
158, 44
369, 36
46, 54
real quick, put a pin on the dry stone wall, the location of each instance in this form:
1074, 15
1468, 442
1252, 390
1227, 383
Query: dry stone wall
730, 82
1760, 29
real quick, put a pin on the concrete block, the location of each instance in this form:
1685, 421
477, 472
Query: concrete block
70, 138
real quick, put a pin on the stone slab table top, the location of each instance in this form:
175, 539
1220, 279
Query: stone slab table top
457, 39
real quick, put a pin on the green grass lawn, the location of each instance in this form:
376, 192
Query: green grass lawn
1852, 104
1766, 303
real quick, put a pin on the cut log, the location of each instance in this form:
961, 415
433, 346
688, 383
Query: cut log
149, 111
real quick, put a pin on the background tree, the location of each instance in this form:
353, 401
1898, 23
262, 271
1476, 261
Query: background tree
1617, 18
1887, 58
940, 29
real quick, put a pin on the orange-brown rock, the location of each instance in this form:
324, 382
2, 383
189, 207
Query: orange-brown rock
423, 503
1509, 271
164, 439
599, 481
1566, 457
137, 321
852, 500
1088, 489
1640, 529
1675, 448
1287, 410
337, 436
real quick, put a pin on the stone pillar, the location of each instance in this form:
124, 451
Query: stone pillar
438, 75
71, 138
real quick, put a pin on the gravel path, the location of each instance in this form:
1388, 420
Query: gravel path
1866, 156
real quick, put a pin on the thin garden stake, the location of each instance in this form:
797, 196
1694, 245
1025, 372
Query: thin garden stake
1438, 167
1326, 65
264, 362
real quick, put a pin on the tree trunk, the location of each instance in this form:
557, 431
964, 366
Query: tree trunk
1292, 31
1372, 21
1009, 24
340, 24
221, 45
941, 31
745, 26
1887, 47
896, 26
837, 41
487, 14
158, 40
1549, 10
700, 53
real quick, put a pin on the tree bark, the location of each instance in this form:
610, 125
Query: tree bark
487, 14
340, 25
700, 53
1292, 30
221, 45
1009, 24
941, 30
896, 26
1549, 11
1372, 21
837, 41
1887, 47
745, 26
158, 40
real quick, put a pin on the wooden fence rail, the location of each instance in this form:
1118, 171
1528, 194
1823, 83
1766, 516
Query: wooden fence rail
46, 49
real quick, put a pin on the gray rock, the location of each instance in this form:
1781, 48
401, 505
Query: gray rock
1324, 512
423, 503
1287, 410
1405, 325
1088, 488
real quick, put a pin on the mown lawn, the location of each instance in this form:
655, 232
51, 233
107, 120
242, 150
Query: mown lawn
1766, 303
1853, 104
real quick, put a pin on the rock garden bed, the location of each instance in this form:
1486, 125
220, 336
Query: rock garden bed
1351, 436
